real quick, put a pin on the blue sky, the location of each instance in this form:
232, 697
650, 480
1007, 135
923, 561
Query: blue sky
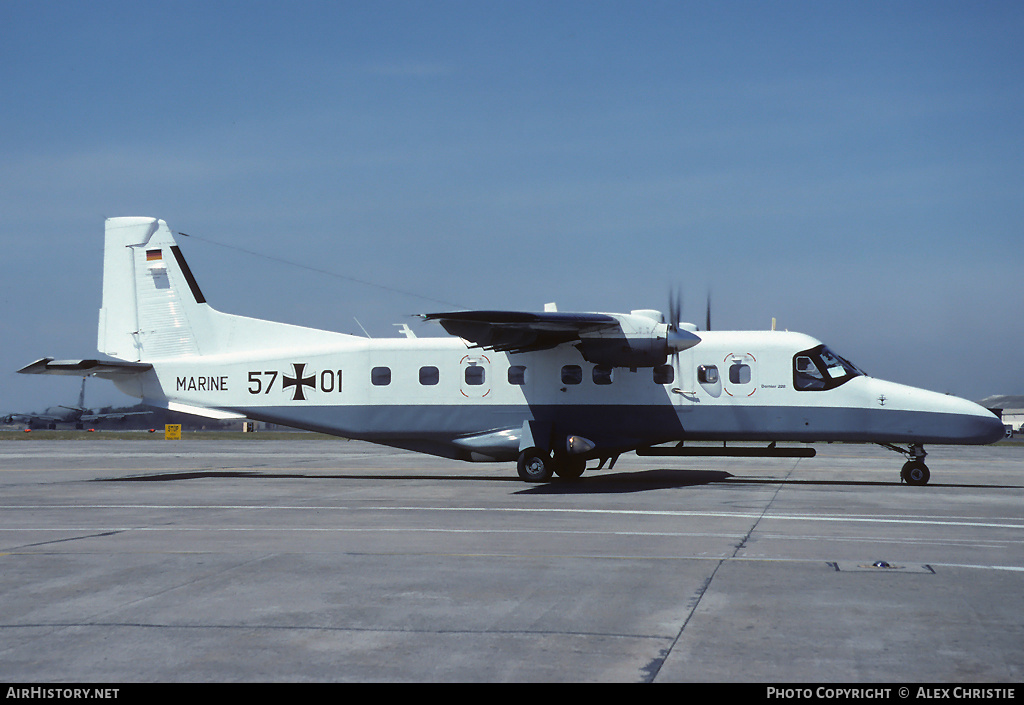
855, 170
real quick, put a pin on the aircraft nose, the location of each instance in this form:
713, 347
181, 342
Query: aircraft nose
922, 416
990, 429
976, 424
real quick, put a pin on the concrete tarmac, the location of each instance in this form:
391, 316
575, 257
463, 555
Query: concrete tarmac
331, 560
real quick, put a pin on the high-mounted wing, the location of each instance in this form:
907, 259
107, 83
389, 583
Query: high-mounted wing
517, 331
636, 339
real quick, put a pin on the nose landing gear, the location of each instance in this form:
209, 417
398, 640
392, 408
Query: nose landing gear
914, 471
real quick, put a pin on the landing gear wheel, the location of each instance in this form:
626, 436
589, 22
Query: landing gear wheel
915, 473
570, 468
534, 465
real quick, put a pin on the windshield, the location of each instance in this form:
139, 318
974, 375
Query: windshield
819, 369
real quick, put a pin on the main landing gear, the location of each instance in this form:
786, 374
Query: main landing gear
914, 471
536, 465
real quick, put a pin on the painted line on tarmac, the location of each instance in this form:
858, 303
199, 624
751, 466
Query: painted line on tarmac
837, 518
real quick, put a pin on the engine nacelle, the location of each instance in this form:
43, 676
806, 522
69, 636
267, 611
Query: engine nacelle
624, 352
641, 341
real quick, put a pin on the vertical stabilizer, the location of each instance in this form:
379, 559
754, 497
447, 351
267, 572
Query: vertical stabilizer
151, 303
153, 308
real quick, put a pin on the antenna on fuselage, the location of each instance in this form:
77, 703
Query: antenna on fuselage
361, 326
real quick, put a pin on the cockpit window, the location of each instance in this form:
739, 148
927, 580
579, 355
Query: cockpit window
819, 369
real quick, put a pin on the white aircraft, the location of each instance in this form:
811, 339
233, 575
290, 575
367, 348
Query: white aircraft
549, 390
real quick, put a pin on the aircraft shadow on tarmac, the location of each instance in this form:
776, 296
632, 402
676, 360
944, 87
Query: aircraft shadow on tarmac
658, 479
638, 481
626, 482
607, 483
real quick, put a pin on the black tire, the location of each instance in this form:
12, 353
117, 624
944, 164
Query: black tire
570, 468
534, 465
915, 473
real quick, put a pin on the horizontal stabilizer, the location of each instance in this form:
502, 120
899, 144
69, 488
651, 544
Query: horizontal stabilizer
84, 368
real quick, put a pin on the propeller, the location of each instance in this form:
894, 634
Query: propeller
677, 338
675, 309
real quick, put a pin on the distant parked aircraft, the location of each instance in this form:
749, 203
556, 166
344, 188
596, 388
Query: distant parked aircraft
78, 416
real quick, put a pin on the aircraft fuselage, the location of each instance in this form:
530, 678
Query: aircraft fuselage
445, 397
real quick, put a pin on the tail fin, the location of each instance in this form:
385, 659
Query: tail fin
150, 299
153, 307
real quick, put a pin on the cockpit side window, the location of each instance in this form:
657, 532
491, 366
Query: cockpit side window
819, 369
806, 374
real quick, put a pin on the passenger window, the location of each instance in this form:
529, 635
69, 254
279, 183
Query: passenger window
739, 373
380, 376
517, 375
572, 374
664, 374
429, 375
602, 374
707, 374
475, 375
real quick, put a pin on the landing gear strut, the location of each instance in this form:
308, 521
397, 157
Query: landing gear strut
914, 471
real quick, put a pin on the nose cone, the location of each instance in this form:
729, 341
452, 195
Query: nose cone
986, 429
969, 428
941, 418
967, 422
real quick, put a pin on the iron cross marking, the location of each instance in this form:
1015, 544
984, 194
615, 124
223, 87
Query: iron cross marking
299, 382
